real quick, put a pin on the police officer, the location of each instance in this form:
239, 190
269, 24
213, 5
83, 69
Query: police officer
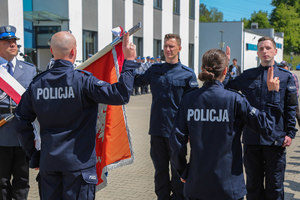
65, 101
168, 82
265, 159
14, 169
285, 66
211, 118
158, 59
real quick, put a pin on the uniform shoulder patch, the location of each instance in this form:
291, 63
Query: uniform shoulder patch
235, 91
84, 72
27, 63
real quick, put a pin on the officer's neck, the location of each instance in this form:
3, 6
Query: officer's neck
267, 64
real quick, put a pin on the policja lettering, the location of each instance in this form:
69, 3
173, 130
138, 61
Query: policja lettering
55, 93
206, 115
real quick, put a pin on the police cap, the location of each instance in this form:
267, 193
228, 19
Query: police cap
8, 32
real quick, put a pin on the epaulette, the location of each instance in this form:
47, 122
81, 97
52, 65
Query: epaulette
186, 68
27, 63
285, 70
235, 91
84, 72
39, 75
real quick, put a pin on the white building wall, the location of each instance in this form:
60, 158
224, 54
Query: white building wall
184, 33
16, 20
196, 38
75, 24
128, 15
250, 56
279, 56
167, 18
148, 28
104, 23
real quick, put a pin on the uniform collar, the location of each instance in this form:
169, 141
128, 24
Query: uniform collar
62, 63
214, 82
4, 62
266, 67
173, 65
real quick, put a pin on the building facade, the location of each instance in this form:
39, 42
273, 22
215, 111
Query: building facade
91, 22
242, 42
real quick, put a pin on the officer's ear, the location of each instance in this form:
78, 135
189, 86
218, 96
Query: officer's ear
225, 71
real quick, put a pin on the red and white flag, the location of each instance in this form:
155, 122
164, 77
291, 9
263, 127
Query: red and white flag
10, 85
113, 142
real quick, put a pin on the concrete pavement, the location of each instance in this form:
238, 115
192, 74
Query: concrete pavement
135, 181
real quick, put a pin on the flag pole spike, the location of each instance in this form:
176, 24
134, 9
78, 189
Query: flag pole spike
108, 47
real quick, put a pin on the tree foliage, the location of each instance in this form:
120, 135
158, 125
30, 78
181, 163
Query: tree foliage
285, 18
259, 17
212, 15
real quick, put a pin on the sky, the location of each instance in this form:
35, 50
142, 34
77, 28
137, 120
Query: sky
234, 10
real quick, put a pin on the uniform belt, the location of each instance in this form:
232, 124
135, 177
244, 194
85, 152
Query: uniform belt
6, 110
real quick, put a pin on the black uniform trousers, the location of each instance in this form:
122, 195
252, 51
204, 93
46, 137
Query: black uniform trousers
160, 155
66, 185
264, 164
13, 163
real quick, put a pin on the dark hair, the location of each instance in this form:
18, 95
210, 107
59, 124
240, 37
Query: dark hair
171, 35
267, 38
234, 59
214, 62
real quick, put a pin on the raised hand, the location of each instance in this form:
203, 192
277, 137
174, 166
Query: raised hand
129, 49
228, 53
272, 82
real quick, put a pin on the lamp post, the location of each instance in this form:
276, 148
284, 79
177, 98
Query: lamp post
221, 43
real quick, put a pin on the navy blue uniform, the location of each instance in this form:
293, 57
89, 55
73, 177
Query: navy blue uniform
266, 156
65, 102
168, 83
212, 119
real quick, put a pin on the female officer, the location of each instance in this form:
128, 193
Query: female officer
212, 119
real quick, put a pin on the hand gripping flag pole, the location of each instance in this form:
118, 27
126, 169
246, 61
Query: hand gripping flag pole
113, 141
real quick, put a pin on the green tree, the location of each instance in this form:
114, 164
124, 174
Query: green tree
212, 15
261, 18
285, 19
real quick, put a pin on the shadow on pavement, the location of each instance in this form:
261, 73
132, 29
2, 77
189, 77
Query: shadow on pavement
294, 163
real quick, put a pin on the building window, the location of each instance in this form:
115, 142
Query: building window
176, 7
191, 56
278, 46
156, 48
192, 9
139, 1
157, 4
138, 41
89, 43
251, 47
43, 34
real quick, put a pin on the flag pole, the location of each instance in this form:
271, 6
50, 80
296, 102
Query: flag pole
108, 47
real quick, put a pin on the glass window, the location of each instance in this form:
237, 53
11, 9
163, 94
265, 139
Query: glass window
43, 34
192, 9
176, 7
138, 1
157, 4
138, 41
89, 43
157, 49
191, 56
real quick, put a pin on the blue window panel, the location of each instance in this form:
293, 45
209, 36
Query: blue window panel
251, 47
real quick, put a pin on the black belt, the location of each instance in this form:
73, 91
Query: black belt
5, 110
